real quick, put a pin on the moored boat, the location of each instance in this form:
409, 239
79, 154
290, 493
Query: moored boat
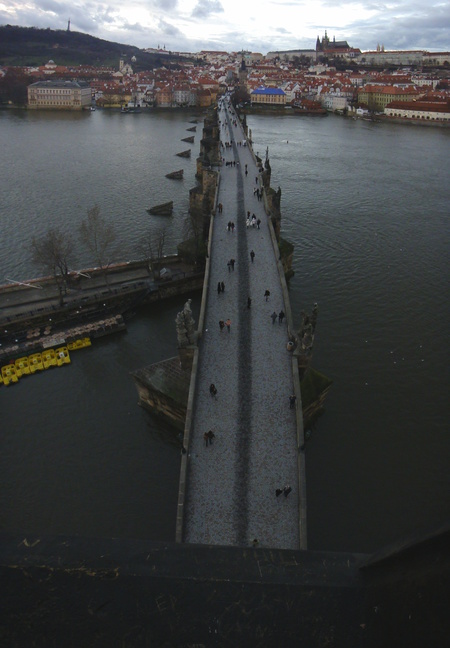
81, 343
62, 356
49, 358
22, 366
35, 362
9, 374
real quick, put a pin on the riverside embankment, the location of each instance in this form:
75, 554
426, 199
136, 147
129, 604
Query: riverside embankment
32, 313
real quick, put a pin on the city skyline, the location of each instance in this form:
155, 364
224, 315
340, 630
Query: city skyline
263, 26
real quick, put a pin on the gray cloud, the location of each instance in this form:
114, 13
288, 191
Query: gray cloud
167, 29
165, 5
425, 27
205, 8
397, 24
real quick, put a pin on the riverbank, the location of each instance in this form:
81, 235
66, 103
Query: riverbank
33, 313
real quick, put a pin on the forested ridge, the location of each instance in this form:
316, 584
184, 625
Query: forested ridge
22, 46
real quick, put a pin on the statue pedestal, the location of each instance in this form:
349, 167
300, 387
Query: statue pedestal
186, 355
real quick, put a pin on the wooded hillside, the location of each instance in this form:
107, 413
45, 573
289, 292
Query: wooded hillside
31, 46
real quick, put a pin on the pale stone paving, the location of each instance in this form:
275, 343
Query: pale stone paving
231, 483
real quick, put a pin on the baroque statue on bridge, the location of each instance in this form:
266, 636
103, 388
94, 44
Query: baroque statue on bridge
277, 198
185, 326
307, 329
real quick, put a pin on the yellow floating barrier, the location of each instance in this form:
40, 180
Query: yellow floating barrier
35, 362
39, 361
49, 358
9, 374
22, 366
62, 356
81, 343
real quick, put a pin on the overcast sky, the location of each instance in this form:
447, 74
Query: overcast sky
233, 25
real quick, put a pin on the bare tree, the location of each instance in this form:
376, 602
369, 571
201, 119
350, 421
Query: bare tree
53, 253
151, 248
98, 235
195, 234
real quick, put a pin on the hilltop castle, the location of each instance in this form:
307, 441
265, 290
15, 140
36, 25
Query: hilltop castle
332, 47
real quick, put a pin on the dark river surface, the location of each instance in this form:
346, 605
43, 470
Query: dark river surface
367, 207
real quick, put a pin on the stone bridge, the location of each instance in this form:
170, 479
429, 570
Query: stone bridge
228, 485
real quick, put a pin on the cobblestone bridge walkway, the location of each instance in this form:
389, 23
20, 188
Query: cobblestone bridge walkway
231, 483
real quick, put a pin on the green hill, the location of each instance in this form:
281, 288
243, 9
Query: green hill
31, 46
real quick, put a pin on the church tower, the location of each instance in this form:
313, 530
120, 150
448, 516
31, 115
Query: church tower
243, 73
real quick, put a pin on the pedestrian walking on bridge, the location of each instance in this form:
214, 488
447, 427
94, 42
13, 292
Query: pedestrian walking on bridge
267, 295
228, 324
252, 256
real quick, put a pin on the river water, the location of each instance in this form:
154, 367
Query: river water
367, 207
